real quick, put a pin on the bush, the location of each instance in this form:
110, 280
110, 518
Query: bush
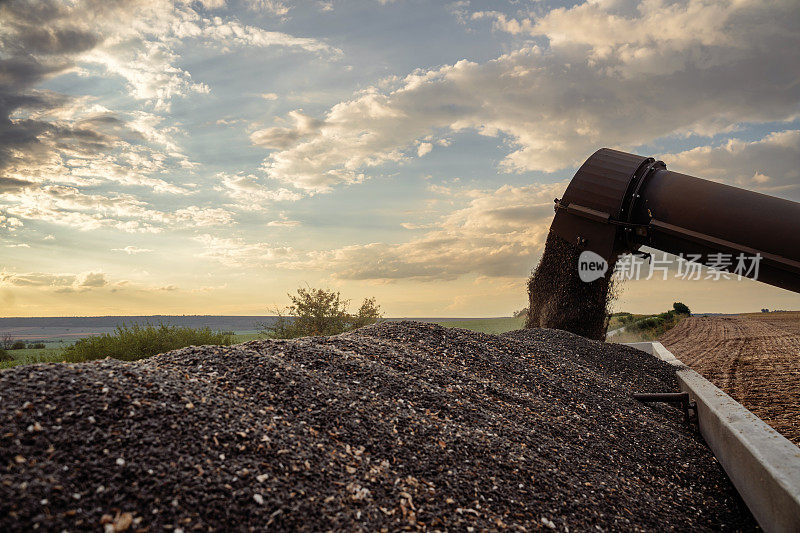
130, 343
624, 318
320, 312
36, 346
5, 356
656, 325
18, 345
681, 308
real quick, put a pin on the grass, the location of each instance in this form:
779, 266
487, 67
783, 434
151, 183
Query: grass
619, 320
643, 328
130, 343
57, 352
638, 327
32, 356
238, 338
493, 326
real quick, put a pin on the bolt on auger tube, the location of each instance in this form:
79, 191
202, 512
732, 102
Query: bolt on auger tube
618, 202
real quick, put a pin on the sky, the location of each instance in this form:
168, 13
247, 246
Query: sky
208, 157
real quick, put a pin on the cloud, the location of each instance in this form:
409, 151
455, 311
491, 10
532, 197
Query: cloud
60, 282
13, 184
415, 226
273, 7
137, 39
10, 223
238, 253
132, 250
212, 4
69, 206
200, 217
228, 121
769, 165
89, 148
92, 279
49, 140
208, 288
250, 194
227, 33
284, 222
36, 279
301, 127
498, 234
555, 104
501, 22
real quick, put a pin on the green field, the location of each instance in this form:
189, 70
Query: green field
239, 338
493, 326
54, 352
31, 356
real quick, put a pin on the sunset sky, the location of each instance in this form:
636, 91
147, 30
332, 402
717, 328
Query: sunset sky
208, 157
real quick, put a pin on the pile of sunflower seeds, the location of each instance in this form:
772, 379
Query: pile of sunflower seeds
395, 426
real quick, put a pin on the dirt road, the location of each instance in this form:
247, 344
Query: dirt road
755, 358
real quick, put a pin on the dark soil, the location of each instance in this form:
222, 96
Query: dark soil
558, 298
393, 426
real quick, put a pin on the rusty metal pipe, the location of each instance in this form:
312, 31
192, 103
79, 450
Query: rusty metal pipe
618, 202
681, 399
666, 397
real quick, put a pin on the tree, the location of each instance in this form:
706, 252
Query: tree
320, 312
368, 313
18, 345
681, 308
520, 313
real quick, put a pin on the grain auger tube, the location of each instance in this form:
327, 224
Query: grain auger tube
618, 202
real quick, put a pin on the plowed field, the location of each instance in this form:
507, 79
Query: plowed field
755, 358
